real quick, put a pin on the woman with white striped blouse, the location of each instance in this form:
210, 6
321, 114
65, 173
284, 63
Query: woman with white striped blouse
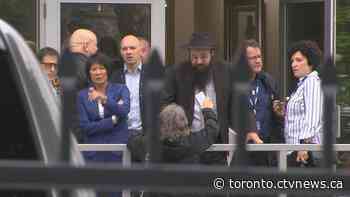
304, 111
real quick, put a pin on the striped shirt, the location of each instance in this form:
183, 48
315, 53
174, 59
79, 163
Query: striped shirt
304, 113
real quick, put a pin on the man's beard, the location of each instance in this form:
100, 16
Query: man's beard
201, 77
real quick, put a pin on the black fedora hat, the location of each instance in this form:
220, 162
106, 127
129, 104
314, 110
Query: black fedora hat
200, 40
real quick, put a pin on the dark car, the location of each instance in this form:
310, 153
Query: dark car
30, 117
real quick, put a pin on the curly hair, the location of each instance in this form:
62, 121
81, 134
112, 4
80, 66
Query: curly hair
309, 49
173, 122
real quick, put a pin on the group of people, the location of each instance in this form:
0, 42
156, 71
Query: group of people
197, 99
296, 119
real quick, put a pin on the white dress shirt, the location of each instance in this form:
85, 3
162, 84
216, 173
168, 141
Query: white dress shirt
304, 113
132, 81
198, 118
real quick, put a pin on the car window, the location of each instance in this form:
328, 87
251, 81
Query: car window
17, 141
31, 113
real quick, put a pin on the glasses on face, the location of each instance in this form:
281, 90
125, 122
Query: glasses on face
200, 57
254, 57
49, 66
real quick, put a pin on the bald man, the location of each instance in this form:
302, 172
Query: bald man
134, 74
82, 45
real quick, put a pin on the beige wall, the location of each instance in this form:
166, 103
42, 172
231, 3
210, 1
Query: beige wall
209, 17
197, 15
184, 27
272, 39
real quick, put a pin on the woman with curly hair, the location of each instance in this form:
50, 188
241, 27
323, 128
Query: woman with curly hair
304, 111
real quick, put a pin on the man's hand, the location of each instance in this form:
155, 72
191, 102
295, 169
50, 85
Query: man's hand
302, 156
278, 107
207, 103
254, 137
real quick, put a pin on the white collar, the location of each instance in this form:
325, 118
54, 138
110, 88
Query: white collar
139, 67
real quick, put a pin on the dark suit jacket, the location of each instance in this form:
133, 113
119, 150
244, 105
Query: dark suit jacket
277, 123
148, 72
179, 89
97, 130
77, 61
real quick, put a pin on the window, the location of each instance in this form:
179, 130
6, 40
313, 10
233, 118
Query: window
247, 16
21, 15
110, 22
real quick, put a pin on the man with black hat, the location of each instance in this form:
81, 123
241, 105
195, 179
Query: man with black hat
188, 83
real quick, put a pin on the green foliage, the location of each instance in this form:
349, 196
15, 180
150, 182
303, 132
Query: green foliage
343, 53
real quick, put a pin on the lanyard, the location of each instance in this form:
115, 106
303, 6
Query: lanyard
254, 98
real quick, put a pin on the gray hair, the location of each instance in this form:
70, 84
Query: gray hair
173, 122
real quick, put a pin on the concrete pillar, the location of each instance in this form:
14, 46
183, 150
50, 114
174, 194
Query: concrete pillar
184, 27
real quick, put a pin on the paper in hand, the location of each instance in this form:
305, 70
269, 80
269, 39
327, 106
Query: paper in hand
200, 97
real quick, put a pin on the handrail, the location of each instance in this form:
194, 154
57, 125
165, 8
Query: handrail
126, 158
282, 150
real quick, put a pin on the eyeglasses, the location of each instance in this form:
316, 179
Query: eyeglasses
254, 57
49, 66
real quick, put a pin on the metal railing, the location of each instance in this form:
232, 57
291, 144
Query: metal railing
126, 156
281, 149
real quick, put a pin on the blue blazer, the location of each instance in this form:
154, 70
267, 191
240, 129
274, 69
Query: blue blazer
97, 130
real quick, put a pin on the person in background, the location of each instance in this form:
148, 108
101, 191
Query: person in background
303, 118
199, 76
103, 108
145, 49
48, 58
82, 45
263, 91
179, 144
134, 74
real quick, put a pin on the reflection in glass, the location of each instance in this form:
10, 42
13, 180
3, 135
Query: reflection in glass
22, 16
343, 65
242, 14
110, 22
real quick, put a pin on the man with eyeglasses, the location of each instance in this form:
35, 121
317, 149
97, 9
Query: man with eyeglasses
48, 58
262, 91
199, 78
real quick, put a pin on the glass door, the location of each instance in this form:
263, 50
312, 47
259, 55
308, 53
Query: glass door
110, 19
301, 20
22, 15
